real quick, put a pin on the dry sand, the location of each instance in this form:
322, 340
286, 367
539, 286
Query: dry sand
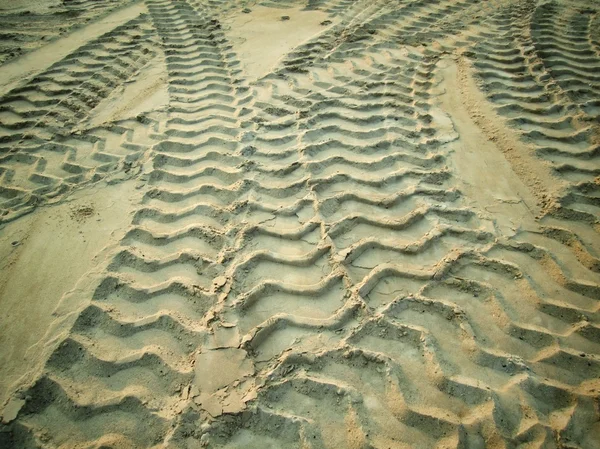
300, 224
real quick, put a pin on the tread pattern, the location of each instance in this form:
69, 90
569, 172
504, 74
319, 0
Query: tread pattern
538, 66
26, 30
313, 221
373, 338
41, 153
370, 27
129, 356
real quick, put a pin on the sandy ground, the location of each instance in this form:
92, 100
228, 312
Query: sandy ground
300, 224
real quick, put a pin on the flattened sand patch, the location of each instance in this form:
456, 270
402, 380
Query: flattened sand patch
43, 256
146, 92
262, 37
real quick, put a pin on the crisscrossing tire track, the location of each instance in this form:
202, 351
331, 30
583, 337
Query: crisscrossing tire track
306, 268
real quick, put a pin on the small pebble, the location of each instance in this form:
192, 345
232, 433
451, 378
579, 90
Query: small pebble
285, 17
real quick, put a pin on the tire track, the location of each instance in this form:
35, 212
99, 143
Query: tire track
393, 164
130, 353
311, 229
24, 30
530, 79
481, 368
381, 26
43, 156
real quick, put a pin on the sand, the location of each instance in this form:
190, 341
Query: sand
300, 224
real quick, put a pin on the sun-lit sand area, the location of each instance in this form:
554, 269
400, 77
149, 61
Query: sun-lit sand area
300, 224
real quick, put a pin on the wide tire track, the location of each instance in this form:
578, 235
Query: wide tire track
42, 154
323, 234
538, 71
130, 353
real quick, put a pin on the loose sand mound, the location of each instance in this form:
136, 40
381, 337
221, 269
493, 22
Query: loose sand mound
301, 224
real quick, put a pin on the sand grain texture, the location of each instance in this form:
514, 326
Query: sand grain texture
334, 224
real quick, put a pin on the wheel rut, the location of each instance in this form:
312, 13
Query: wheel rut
309, 265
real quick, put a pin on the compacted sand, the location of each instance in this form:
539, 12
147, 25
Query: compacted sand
300, 224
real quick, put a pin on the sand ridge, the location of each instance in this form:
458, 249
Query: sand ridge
319, 257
